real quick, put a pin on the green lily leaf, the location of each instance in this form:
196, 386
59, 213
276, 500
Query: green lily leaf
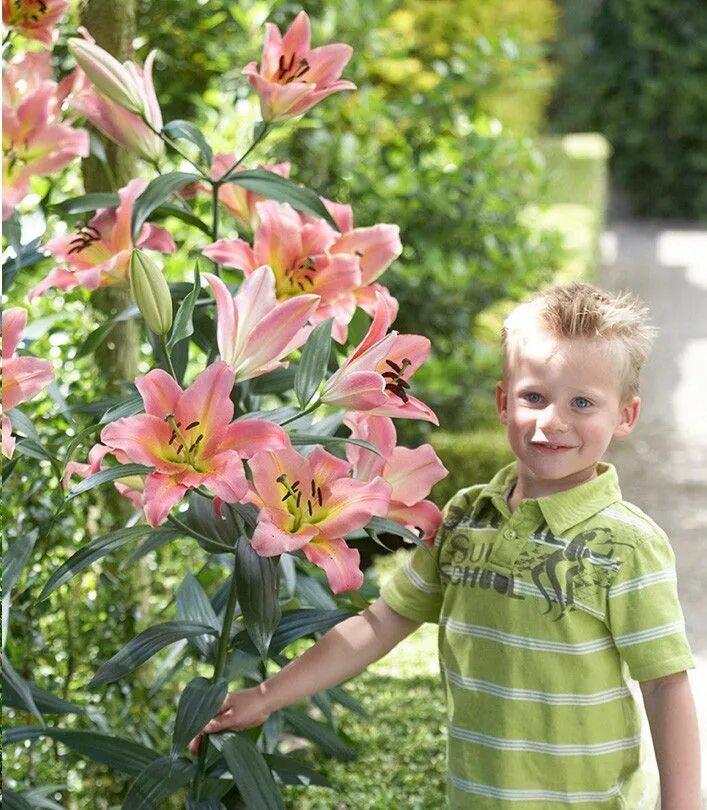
144, 646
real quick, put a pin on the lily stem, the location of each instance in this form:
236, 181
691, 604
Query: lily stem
215, 186
219, 667
160, 134
168, 357
310, 409
258, 138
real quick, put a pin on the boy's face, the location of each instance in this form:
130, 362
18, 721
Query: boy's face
562, 403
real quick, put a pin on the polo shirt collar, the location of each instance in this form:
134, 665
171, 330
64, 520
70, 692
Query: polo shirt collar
562, 510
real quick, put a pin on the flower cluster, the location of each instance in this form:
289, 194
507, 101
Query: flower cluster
298, 271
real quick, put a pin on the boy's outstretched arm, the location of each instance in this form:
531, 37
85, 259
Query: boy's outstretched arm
673, 720
343, 652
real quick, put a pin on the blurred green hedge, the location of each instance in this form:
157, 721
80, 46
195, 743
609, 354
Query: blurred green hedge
636, 70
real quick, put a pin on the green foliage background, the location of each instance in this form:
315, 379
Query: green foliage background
636, 70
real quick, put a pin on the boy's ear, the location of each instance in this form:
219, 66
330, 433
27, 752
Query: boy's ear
628, 416
501, 403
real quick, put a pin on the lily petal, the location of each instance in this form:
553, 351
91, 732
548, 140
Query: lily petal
340, 563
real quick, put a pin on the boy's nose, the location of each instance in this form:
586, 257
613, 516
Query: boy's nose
550, 420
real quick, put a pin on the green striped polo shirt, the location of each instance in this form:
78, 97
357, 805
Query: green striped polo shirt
544, 614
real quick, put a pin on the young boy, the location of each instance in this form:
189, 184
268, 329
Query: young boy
548, 588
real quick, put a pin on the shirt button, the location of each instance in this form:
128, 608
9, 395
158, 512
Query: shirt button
510, 534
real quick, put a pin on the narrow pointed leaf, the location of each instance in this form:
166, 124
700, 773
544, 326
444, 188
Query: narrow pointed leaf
128, 406
14, 801
378, 525
303, 622
106, 476
184, 214
274, 187
183, 326
190, 132
294, 772
322, 736
87, 202
88, 554
193, 606
15, 559
99, 335
45, 701
300, 439
256, 583
313, 363
20, 686
119, 754
157, 192
144, 646
21, 423
250, 772
198, 703
160, 780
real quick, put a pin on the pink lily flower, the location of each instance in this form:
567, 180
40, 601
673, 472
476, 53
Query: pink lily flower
254, 331
98, 254
131, 487
114, 121
238, 200
411, 472
374, 378
22, 377
310, 503
34, 19
297, 252
188, 438
376, 248
292, 77
34, 141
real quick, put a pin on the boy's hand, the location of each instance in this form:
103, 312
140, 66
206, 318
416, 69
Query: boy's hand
239, 710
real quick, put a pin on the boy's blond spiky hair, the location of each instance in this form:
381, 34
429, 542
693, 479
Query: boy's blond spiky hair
584, 311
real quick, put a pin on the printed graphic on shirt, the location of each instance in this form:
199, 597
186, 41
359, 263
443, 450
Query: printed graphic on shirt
570, 571
563, 573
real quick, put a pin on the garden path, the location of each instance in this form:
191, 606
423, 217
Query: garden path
663, 465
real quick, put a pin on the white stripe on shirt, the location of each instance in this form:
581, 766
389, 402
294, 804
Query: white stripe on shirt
657, 577
536, 696
537, 746
511, 795
513, 640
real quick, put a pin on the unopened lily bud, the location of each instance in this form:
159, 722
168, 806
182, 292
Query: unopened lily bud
151, 293
109, 77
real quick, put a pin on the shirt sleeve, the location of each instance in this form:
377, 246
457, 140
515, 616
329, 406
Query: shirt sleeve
644, 613
414, 590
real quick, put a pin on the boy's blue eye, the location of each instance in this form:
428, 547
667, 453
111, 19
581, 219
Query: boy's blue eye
533, 398
582, 403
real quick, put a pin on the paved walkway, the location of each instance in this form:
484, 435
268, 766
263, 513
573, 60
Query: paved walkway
663, 465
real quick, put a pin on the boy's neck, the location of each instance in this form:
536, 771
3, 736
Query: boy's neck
528, 487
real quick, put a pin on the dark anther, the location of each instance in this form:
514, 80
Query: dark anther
313, 488
287, 495
180, 448
198, 439
309, 507
172, 438
192, 425
294, 486
319, 496
393, 365
299, 498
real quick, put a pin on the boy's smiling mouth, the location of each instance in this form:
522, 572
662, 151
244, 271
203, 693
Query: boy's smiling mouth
550, 447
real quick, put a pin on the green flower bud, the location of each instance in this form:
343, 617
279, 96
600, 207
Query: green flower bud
151, 293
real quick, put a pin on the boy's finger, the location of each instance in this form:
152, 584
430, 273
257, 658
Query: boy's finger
194, 744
